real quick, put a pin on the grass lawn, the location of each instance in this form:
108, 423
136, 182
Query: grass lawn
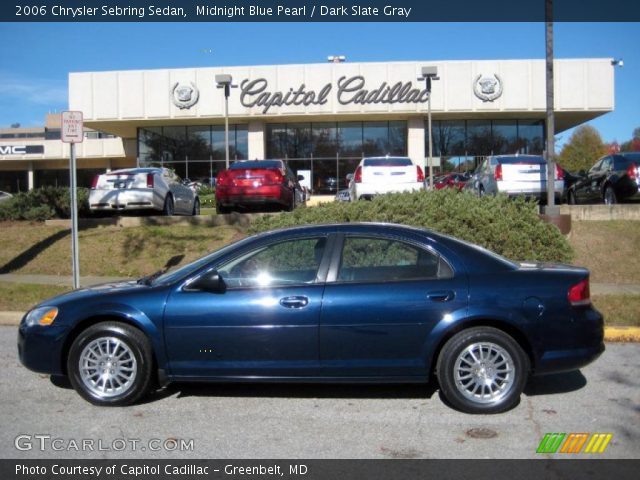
619, 310
19, 297
32, 248
609, 249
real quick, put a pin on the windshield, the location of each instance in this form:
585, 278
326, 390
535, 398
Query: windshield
186, 270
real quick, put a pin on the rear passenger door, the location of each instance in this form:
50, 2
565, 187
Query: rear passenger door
382, 298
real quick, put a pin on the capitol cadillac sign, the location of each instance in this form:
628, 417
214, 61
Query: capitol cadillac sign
348, 90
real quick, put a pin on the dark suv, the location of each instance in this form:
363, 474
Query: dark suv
612, 179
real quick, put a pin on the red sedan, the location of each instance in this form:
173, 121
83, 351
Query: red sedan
257, 182
451, 180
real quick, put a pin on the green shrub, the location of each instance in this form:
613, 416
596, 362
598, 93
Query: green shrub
510, 227
206, 190
44, 203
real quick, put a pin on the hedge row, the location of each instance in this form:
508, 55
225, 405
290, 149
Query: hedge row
43, 203
510, 227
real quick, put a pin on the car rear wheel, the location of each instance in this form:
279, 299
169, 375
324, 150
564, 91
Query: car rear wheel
222, 210
110, 364
610, 196
196, 207
168, 209
482, 370
571, 198
290, 207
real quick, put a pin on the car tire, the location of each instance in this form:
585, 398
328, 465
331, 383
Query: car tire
571, 198
169, 207
291, 206
196, 207
129, 378
481, 191
610, 196
487, 355
222, 210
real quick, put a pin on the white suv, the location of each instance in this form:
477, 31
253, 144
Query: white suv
380, 175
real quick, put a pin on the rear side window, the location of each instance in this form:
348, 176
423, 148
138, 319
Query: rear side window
387, 162
366, 259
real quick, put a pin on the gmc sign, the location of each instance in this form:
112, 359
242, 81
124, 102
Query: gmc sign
21, 149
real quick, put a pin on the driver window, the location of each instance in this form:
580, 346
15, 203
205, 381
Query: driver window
286, 263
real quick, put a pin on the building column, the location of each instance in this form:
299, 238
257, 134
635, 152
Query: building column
108, 165
416, 137
256, 149
30, 182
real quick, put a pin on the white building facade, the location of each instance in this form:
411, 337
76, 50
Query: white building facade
323, 118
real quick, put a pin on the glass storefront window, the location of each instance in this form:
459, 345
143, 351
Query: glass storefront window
325, 144
531, 136
505, 136
198, 142
350, 139
448, 138
14, 181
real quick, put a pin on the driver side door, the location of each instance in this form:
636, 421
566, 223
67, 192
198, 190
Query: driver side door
264, 325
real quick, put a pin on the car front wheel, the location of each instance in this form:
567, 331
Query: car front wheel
482, 370
110, 364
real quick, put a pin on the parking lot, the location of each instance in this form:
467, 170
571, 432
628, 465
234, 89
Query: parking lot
316, 421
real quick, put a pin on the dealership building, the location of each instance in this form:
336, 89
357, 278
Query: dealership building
321, 118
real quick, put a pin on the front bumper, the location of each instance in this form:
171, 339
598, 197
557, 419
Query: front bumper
40, 347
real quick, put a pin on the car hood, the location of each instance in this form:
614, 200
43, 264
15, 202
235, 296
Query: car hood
101, 290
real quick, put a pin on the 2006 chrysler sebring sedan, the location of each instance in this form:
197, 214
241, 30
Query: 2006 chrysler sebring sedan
331, 303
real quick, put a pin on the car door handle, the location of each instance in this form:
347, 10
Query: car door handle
294, 302
441, 296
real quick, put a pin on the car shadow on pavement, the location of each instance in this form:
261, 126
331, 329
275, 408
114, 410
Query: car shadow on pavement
555, 383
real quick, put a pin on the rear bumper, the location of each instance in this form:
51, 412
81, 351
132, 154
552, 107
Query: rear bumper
370, 190
530, 189
228, 196
576, 343
134, 199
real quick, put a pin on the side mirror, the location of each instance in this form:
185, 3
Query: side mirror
210, 282
349, 177
300, 178
582, 173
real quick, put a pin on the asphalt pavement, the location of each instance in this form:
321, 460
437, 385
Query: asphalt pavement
46, 419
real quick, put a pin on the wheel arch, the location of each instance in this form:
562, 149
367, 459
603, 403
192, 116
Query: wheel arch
98, 318
506, 327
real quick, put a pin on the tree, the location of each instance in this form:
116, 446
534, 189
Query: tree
583, 149
632, 145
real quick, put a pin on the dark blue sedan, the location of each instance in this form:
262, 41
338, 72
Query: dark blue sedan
332, 303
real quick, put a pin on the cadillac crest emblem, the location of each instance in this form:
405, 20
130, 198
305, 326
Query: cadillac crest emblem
487, 89
184, 96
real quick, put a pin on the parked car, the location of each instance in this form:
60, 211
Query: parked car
614, 178
451, 180
380, 175
5, 196
516, 175
258, 182
157, 189
345, 303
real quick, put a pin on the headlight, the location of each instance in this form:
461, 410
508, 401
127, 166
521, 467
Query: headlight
42, 316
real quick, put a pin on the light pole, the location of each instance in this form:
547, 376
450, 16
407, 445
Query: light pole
224, 81
429, 74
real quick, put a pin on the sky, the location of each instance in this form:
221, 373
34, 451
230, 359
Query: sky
37, 57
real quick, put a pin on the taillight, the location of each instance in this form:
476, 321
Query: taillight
357, 176
559, 173
150, 181
274, 177
632, 170
222, 180
94, 182
579, 293
498, 173
420, 174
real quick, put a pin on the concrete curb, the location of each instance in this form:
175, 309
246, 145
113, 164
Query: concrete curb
611, 334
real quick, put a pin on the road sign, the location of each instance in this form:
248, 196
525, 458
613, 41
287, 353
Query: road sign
72, 131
